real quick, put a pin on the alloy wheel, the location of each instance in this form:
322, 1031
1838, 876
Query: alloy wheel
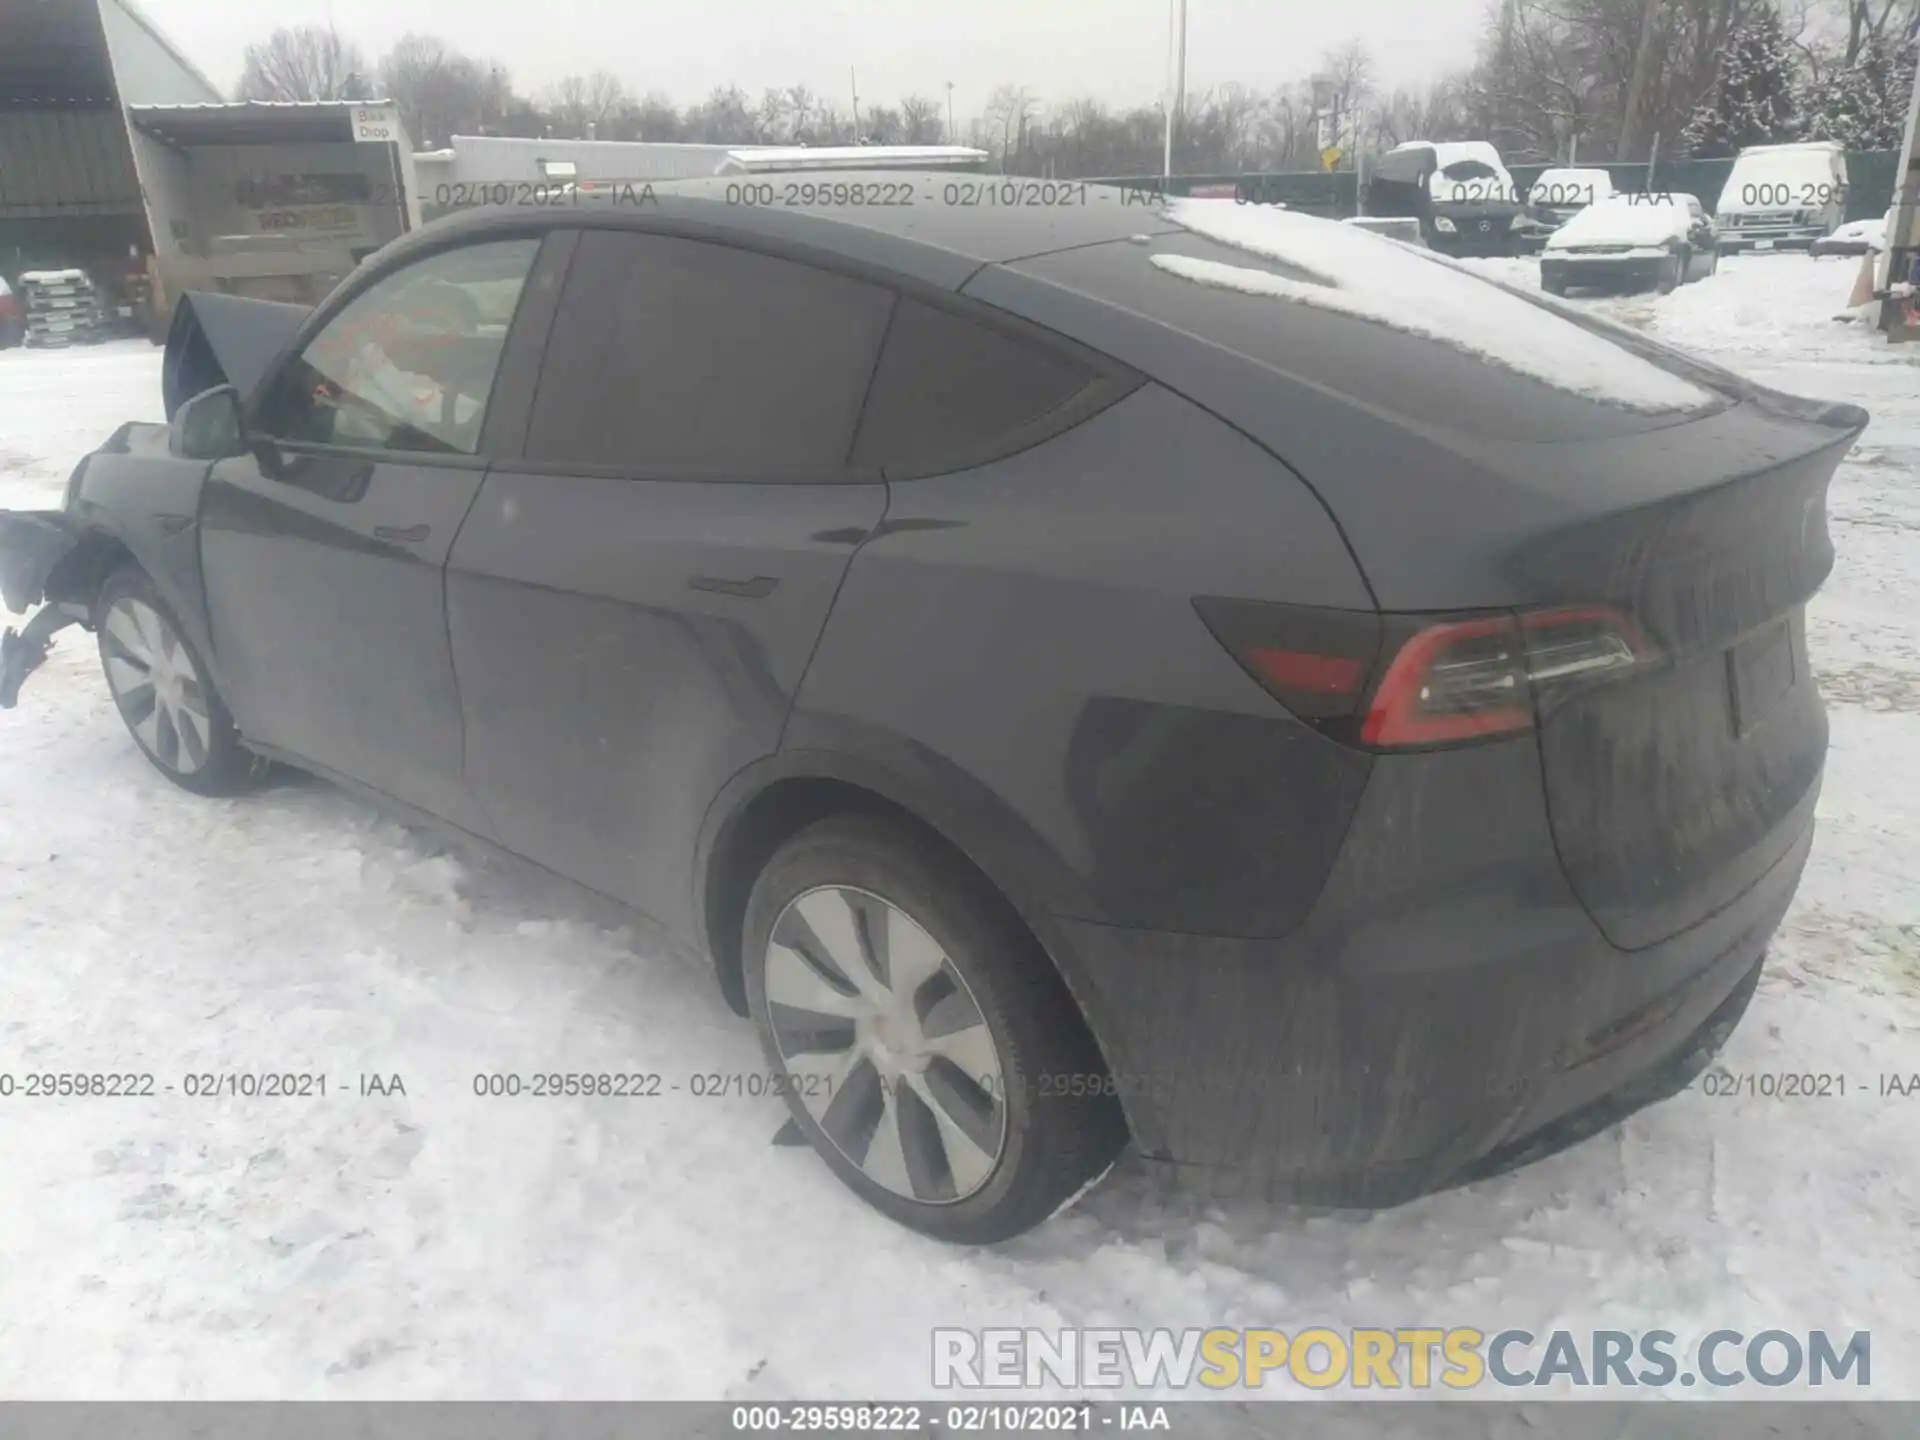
157, 686
885, 1045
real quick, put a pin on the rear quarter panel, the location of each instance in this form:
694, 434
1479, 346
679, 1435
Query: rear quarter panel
1021, 638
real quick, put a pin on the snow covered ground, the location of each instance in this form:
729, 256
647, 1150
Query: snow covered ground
442, 1245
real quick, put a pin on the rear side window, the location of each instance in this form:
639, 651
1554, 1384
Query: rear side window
951, 392
689, 357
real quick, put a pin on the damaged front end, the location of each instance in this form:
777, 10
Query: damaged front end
57, 559
35, 547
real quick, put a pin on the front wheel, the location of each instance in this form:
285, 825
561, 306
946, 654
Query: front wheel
926, 1047
160, 686
1673, 274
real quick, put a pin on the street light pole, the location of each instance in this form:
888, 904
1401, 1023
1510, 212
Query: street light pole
1179, 47
951, 137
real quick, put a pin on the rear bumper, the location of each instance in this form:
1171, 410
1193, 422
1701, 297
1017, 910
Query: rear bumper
1635, 271
1474, 1018
1469, 239
1781, 237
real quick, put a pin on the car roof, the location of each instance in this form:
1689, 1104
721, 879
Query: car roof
932, 225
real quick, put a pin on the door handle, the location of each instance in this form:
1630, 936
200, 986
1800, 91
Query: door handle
402, 534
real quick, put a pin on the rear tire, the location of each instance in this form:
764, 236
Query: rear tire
1673, 274
162, 690
928, 1050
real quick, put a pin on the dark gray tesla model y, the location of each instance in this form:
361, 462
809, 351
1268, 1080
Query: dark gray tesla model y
1079, 673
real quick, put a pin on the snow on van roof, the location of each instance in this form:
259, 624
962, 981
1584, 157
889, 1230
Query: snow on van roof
1825, 145
1372, 278
1764, 164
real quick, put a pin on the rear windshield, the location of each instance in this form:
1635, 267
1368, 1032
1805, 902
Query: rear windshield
1398, 330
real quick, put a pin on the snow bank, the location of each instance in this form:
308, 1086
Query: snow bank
1360, 274
1870, 232
1626, 220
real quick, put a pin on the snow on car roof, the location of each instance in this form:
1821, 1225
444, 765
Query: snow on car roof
1449, 152
1594, 175
1372, 278
1626, 220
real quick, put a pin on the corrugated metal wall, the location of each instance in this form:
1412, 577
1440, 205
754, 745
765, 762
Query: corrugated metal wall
489, 159
56, 163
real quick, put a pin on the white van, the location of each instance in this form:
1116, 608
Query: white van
1784, 196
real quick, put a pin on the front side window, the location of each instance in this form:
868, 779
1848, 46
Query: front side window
409, 363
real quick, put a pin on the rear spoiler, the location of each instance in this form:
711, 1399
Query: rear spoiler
223, 340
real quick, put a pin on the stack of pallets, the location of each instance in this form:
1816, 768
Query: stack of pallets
62, 307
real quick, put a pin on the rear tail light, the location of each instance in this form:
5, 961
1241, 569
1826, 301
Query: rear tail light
1390, 682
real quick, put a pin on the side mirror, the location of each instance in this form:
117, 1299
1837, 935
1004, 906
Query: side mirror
207, 427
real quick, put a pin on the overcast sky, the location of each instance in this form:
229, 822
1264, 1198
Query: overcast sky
1114, 50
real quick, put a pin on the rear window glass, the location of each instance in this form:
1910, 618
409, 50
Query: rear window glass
948, 390
1421, 340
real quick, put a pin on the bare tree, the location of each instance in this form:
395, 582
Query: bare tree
771, 118
826, 125
723, 118
921, 121
653, 117
801, 106
1009, 111
307, 62
1433, 112
580, 103
1350, 69
442, 93
882, 125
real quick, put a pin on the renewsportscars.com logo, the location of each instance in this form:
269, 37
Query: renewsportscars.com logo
1416, 1358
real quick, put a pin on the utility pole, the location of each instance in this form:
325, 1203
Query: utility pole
1179, 47
1901, 234
952, 139
853, 84
1637, 86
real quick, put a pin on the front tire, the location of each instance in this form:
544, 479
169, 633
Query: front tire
929, 1051
161, 688
1673, 274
